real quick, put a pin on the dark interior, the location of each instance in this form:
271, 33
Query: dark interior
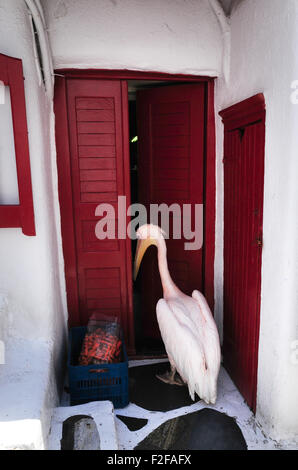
145, 346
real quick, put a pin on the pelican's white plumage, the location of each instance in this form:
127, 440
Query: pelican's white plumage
186, 324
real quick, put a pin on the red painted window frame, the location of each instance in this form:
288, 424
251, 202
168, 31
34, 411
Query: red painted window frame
22, 214
62, 145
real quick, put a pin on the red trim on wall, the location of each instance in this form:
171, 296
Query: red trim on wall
129, 75
22, 214
10, 216
65, 198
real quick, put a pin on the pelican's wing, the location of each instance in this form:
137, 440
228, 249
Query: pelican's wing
183, 344
204, 307
211, 337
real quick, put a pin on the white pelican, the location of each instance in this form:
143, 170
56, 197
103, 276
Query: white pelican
186, 324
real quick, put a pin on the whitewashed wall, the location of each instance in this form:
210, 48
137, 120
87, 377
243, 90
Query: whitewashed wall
169, 35
179, 37
28, 271
264, 59
31, 288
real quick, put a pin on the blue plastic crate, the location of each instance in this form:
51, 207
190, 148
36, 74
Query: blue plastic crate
97, 381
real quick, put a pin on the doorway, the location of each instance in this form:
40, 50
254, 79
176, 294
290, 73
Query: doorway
95, 165
167, 167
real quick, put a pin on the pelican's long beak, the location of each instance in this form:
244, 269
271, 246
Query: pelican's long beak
142, 246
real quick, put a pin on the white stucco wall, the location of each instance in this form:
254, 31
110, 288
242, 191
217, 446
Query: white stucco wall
178, 37
263, 59
32, 307
169, 35
28, 274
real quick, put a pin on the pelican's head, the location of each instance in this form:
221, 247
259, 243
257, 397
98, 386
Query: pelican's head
147, 235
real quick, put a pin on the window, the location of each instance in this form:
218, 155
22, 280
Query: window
19, 214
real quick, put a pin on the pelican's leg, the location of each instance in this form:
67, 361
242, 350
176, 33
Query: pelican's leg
171, 378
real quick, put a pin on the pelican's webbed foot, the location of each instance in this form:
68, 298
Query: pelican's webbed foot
171, 378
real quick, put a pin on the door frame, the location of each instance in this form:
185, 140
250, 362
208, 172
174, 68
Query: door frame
65, 190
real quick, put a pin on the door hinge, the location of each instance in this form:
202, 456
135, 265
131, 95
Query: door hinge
258, 241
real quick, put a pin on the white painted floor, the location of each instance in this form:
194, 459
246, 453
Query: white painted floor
229, 401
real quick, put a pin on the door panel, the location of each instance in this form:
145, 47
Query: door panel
97, 164
243, 219
171, 151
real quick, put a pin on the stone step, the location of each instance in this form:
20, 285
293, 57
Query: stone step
102, 435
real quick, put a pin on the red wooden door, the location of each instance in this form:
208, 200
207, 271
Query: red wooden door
171, 154
243, 220
98, 272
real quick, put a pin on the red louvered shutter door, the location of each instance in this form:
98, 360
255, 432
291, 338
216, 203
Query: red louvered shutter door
171, 150
98, 276
243, 224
